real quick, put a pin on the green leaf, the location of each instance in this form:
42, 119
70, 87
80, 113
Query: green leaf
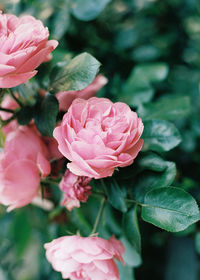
25, 115
2, 274
116, 195
186, 232
152, 72
45, 115
167, 108
131, 256
131, 228
77, 74
125, 272
135, 94
145, 53
197, 242
21, 230
170, 208
60, 23
138, 89
113, 222
80, 221
152, 180
160, 135
88, 9
2, 138
60, 59
153, 162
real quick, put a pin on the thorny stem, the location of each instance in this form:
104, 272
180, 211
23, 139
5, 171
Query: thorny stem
15, 98
3, 123
7, 110
98, 218
47, 181
132, 201
103, 185
98, 193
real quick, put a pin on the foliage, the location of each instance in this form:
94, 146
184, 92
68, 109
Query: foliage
149, 51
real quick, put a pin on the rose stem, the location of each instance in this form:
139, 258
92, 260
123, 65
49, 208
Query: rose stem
98, 218
15, 98
7, 110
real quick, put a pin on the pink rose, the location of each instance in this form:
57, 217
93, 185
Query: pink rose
65, 98
75, 189
22, 162
98, 136
24, 46
85, 258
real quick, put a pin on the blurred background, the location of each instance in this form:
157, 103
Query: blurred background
150, 53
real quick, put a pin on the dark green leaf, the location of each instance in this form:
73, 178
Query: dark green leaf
131, 228
138, 88
113, 221
197, 242
153, 162
21, 230
80, 221
131, 256
125, 272
45, 115
88, 9
77, 74
152, 180
115, 194
152, 72
160, 136
135, 94
145, 53
60, 59
60, 22
25, 115
167, 108
170, 208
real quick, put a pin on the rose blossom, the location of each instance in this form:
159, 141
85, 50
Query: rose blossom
65, 98
97, 136
24, 46
85, 258
22, 161
75, 189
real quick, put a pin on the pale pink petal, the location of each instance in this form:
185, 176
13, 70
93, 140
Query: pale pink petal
21, 182
43, 165
38, 58
14, 80
24, 46
5, 69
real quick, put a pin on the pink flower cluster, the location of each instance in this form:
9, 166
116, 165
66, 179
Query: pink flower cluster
96, 135
75, 188
24, 46
90, 258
